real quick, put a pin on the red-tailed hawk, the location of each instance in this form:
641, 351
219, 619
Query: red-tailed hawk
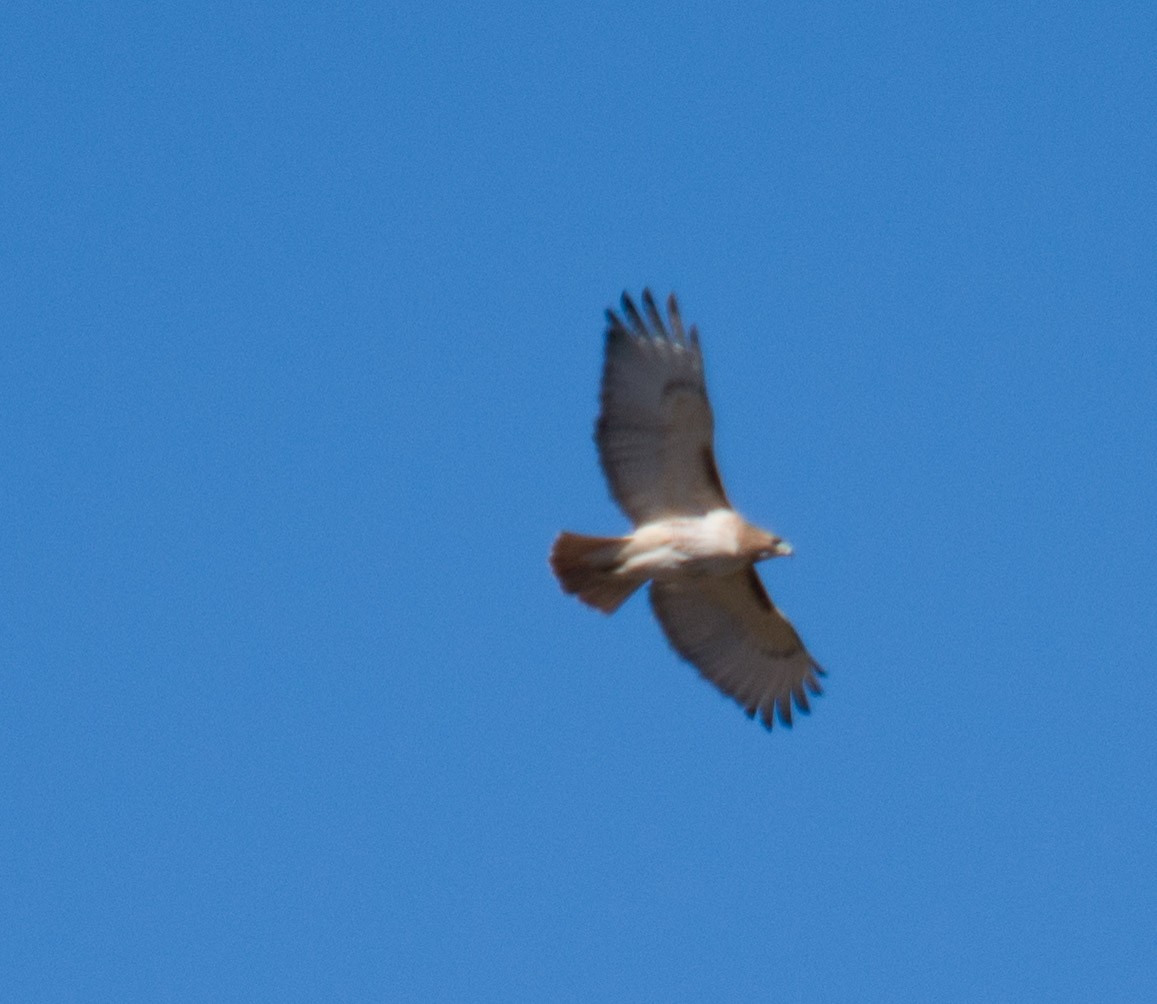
655, 437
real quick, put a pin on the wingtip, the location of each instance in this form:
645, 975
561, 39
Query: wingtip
631, 312
649, 322
801, 701
676, 319
767, 719
653, 314
785, 709
614, 323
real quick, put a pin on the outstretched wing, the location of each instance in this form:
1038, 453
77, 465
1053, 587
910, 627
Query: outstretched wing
728, 628
655, 430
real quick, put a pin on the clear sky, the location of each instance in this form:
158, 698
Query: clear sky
302, 314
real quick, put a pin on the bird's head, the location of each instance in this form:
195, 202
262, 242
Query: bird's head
779, 548
762, 545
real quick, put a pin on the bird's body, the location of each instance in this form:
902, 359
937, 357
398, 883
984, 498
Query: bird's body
655, 437
717, 543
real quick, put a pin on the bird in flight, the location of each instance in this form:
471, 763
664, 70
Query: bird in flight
655, 436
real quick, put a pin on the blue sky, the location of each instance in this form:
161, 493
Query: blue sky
303, 332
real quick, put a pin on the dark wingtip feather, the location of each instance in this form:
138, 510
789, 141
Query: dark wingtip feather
775, 711
615, 324
633, 316
676, 319
787, 704
784, 707
653, 314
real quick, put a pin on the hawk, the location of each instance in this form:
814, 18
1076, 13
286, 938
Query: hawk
655, 436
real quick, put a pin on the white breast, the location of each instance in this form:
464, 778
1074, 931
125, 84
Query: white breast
685, 545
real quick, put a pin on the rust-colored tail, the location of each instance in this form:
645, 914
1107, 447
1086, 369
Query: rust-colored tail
587, 567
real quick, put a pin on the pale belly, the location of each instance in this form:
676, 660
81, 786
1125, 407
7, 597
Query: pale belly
685, 546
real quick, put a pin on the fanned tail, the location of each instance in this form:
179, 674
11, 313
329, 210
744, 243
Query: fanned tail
588, 568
